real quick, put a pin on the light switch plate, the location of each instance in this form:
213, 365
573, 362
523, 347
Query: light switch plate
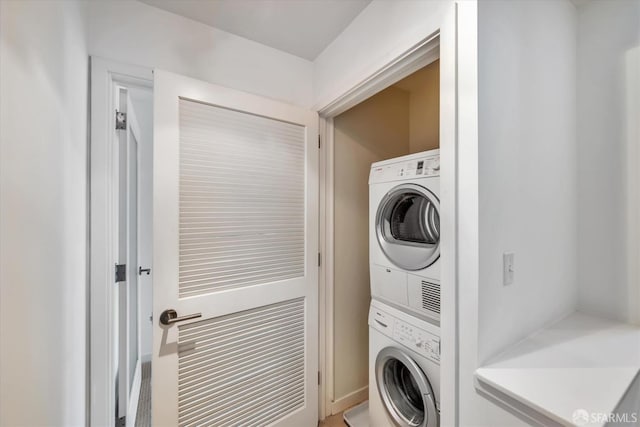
508, 268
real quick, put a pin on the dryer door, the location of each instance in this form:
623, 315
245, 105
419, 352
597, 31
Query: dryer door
405, 390
408, 226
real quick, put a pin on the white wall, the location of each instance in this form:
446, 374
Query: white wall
526, 183
379, 34
608, 58
473, 409
527, 158
43, 209
136, 33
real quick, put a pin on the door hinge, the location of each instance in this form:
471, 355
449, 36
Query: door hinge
318, 140
121, 120
319, 259
122, 421
121, 272
319, 378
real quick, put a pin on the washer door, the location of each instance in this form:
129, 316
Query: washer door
405, 390
408, 226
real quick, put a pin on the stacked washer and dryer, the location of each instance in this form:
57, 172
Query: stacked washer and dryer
404, 318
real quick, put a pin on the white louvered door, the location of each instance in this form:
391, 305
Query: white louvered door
235, 240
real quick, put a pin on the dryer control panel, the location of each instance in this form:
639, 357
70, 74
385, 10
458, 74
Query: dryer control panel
417, 340
411, 168
428, 167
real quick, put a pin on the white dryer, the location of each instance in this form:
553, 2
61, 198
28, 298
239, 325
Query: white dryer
404, 369
404, 232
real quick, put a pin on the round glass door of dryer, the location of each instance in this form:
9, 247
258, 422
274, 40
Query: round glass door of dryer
405, 390
408, 226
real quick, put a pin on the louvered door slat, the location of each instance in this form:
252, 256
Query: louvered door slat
243, 368
241, 180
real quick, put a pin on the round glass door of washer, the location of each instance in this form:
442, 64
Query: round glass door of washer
405, 390
408, 226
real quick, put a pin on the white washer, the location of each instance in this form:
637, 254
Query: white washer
404, 233
404, 369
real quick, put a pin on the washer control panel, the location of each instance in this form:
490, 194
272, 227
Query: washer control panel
417, 339
414, 338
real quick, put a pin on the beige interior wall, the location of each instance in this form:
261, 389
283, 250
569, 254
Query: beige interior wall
374, 130
424, 103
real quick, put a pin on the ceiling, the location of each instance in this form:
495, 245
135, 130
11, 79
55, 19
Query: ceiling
301, 27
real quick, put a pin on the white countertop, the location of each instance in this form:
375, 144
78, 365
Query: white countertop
580, 362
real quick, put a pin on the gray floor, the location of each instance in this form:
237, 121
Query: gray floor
143, 417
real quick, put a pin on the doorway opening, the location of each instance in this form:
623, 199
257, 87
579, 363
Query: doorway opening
400, 120
121, 243
133, 292
405, 109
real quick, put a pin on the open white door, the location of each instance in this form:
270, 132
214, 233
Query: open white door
235, 242
127, 290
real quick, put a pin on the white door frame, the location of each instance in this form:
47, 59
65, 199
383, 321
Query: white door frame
103, 177
418, 56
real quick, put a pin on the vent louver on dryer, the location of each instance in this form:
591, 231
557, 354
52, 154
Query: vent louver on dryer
431, 297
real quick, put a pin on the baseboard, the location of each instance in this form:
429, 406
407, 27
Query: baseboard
351, 399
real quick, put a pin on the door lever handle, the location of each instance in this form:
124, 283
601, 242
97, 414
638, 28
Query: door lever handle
143, 270
170, 316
